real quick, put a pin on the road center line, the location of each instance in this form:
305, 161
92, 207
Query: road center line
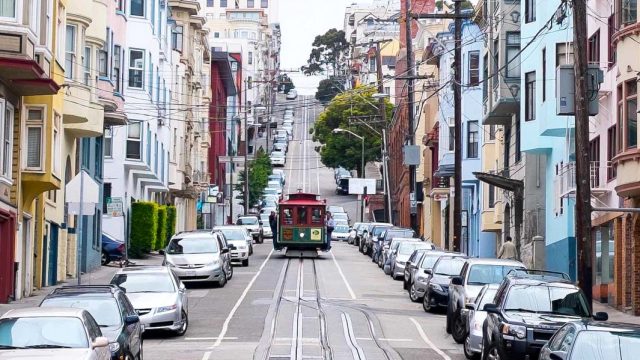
225, 326
427, 341
344, 278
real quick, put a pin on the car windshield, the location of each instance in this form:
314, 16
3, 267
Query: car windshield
547, 299
247, 221
192, 245
341, 228
144, 283
487, 298
340, 216
606, 345
233, 234
399, 233
105, 310
407, 248
378, 230
482, 274
429, 260
274, 178
271, 191
49, 331
449, 266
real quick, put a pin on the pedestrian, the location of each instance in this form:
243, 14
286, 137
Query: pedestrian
507, 250
273, 224
331, 224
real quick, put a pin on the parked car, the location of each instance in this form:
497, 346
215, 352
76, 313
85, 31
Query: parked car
372, 236
353, 233
341, 216
268, 209
530, 306
112, 249
334, 209
292, 94
157, 295
437, 292
388, 251
240, 239
341, 172
111, 310
340, 233
271, 191
464, 288
277, 158
279, 147
593, 340
61, 333
288, 126
342, 186
281, 173
275, 185
475, 316
412, 266
418, 281
252, 224
385, 239
366, 231
401, 255
276, 177
266, 228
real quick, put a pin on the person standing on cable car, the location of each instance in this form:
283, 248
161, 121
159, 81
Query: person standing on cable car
273, 224
331, 224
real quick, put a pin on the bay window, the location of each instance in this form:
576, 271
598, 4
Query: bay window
136, 68
56, 149
6, 139
34, 138
134, 141
8, 9
108, 143
61, 17
117, 74
513, 54
70, 51
137, 8
631, 109
86, 65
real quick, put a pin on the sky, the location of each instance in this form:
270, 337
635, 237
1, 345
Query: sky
300, 22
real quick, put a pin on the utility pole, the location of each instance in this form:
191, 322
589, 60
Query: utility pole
411, 71
246, 151
382, 110
583, 190
385, 168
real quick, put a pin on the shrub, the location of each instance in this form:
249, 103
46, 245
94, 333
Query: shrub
144, 228
171, 224
161, 228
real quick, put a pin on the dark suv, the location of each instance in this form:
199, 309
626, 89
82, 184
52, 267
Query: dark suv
530, 305
371, 236
112, 310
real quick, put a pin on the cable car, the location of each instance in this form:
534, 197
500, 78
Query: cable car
301, 225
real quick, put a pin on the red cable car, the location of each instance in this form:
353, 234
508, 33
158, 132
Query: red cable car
301, 223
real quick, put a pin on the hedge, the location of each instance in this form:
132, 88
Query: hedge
171, 224
144, 228
161, 227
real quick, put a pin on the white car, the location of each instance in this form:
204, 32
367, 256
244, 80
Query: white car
278, 158
475, 320
239, 237
288, 128
340, 216
266, 227
292, 94
340, 233
251, 223
281, 173
52, 333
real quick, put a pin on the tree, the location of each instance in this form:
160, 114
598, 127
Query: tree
285, 83
328, 89
327, 52
343, 149
259, 171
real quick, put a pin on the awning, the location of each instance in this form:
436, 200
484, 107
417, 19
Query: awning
500, 181
446, 166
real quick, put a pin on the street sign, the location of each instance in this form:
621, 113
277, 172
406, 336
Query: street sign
115, 206
234, 159
358, 186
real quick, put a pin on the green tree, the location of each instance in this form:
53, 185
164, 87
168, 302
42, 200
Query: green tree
328, 89
327, 51
343, 149
259, 171
285, 83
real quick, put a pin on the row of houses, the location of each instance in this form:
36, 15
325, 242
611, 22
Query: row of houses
140, 96
518, 152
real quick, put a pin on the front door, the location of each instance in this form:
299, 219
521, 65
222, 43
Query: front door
52, 278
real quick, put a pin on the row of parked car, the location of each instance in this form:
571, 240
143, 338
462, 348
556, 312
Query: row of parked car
107, 321
282, 135
497, 308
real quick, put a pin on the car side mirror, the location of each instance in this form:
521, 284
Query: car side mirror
491, 308
601, 316
225, 250
231, 247
558, 355
161, 251
131, 319
470, 306
428, 271
100, 342
456, 280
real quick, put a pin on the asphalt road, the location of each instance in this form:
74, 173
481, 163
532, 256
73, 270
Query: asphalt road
338, 306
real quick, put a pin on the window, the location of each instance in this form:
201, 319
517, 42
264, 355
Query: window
452, 137
46, 29
472, 139
70, 51
594, 159
529, 11
474, 68
175, 145
530, 96
264, 3
137, 8
620, 120
518, 151
387, 90
611, 29
593, 48
612, 150
34, 129
372, 64
60, 35
121, 5
564, 54
134, 141
491, 197
513, 54
544, 74
485, 76
223, 3
102, 63
136, 69
250, 58
249, 82
150, 81
176, 38
251, 4
631, 109
116, 75
106, 197
492, 132
86, 65
108, 143
496, 62
210, 3
216, 35
6, 138
57, 148
629, 11
8, 8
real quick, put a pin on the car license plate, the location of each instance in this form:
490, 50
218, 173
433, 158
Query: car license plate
190, 273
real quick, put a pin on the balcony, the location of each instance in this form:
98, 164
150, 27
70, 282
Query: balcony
627, 166
441, 188
22, 69
565, 181
190, 6
82, 117
502, 101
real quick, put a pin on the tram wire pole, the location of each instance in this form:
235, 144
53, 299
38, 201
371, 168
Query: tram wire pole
411, 68
246, 153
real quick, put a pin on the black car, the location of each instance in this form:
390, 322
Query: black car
112, 310
530, 306
384, 239
412, 266
424, 263
594, 340
437, 293
371, 237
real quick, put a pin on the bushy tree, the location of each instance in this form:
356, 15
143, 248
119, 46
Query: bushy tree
327, 52
343, 149
328, 89
259, 171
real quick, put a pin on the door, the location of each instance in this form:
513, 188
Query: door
7, 236
52, 278
45, 255
27, 257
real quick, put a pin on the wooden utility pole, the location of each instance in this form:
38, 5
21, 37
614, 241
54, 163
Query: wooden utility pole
583, 190
383, 116
411, 71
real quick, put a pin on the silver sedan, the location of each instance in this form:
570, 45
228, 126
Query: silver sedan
475, 319
158, 296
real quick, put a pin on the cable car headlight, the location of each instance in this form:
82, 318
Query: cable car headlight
301, 235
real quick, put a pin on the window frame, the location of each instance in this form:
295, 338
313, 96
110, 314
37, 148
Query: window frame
144, 9
452, 137
108, 137
544, 74
593, 48
530, 96
264, 4
627, 102
117, 64
529, 11
87, 65
141, 70
70, 55
611, 29
628, 19
34, 124
612, 151
251, 4
7, 115
473, 147
56, 146
472, 80
139, 140
16, 11
61, 23
512, 46
565, 53
177, 38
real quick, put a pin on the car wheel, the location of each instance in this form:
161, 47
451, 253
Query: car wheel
494, 353
458, 330
105, 258
185, 323
426, 302
230, 273
404, 284
380, 261
363, 249
223, 280
413, 293
468, 353
245, 263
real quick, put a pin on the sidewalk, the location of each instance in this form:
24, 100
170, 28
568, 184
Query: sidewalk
102, 275
616, 315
